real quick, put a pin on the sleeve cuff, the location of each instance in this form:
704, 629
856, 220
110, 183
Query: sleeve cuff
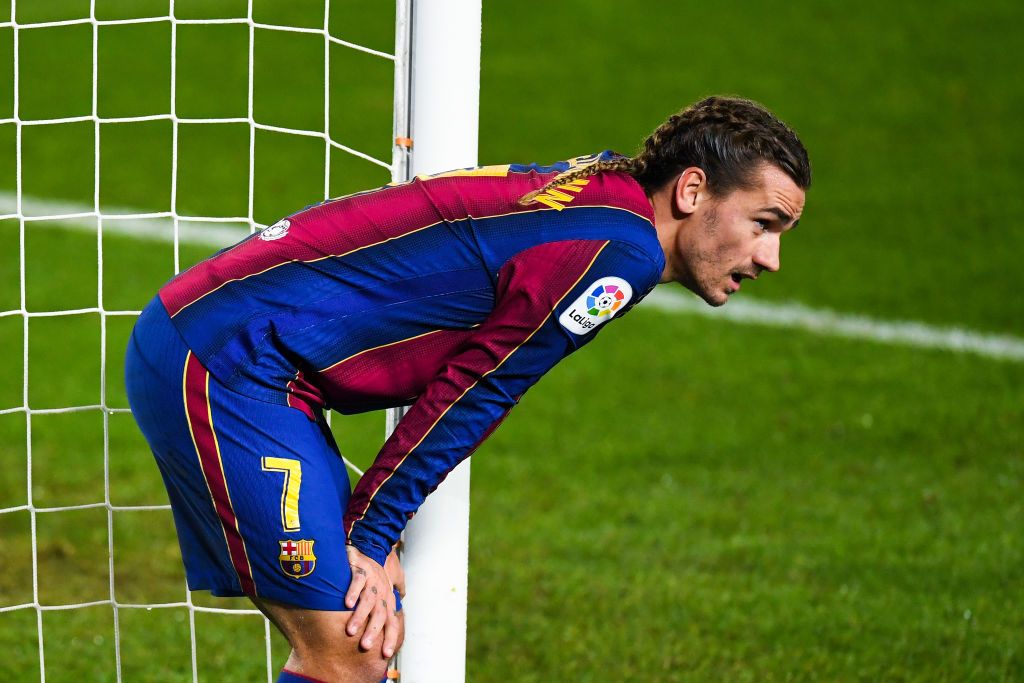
375, 551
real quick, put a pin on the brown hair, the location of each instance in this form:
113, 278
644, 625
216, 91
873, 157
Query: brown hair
727, 137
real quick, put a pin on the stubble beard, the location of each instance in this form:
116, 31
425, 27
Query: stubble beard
707, 263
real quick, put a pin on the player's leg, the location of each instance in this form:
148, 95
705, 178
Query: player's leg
307, 603
258, 493
321, 649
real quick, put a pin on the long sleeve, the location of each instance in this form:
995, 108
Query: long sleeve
550, 300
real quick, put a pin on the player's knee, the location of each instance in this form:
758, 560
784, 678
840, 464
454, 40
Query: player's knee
320, 646
341, 660
334, 666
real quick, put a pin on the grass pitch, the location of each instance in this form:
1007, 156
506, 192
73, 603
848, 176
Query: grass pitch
685, 500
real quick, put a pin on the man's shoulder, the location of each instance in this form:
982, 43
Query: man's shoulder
564, 165
610, 189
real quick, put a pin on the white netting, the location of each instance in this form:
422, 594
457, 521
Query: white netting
182, 226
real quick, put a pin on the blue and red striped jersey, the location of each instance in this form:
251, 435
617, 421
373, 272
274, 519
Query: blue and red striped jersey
444, 293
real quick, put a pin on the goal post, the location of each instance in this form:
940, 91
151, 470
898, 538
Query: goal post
445, 95
435, 110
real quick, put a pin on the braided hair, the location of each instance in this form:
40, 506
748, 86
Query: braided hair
727, 137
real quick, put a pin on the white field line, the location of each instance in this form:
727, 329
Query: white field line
215, 233
830, 323
117, 220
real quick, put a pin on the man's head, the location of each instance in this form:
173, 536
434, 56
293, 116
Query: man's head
726, 179
727, 137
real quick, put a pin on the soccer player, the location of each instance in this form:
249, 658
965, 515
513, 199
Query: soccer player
452, 294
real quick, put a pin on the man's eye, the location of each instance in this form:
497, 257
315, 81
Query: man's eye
763, 224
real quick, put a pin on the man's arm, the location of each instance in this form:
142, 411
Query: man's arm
550, 300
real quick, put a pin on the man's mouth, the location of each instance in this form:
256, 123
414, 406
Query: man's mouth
738, 277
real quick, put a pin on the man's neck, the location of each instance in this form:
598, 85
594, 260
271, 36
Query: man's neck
667, 225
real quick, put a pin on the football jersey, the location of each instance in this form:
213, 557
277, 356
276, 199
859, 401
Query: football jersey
445, 293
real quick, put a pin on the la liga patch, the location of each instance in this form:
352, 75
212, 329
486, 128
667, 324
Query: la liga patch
598, 304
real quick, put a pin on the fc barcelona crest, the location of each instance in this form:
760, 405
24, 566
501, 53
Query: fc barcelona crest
297, 558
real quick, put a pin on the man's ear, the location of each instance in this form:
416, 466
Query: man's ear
691, 188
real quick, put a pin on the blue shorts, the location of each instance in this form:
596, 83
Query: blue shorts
258, 490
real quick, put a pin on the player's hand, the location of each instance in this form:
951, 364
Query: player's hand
395, 572
371, 594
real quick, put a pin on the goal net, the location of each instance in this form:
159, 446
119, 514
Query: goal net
136, 138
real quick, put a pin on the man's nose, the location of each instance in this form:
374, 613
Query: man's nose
767, 254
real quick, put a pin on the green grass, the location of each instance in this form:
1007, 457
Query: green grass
909, 111
685, 500
763, 513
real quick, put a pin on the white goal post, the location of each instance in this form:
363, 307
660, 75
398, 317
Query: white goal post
444, 119
435, 108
